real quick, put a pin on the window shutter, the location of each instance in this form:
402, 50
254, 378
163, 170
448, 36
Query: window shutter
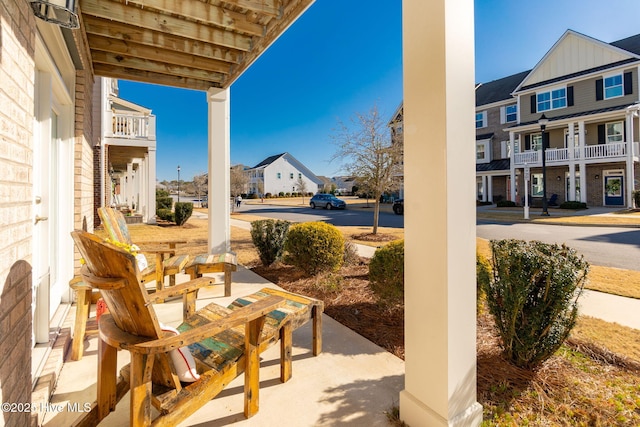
533, 103
628, 83
527, 142
599, 90
503, 115
570, 96
601, 135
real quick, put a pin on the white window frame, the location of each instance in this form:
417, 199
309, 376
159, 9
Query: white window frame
514, 113
538, 144
537, 188
609, 137
551, 99
278, 175
483, 119
483, 146
620, 86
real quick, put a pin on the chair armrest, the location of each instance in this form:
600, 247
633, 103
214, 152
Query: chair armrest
181, 289
242, 316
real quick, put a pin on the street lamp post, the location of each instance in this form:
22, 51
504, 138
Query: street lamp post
543, 124
178, 183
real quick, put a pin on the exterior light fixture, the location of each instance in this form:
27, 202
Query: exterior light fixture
543, 125
59, 12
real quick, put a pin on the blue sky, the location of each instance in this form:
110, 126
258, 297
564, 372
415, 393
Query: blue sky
342, 57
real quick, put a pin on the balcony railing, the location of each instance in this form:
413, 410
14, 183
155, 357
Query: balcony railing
612, 151
126, 126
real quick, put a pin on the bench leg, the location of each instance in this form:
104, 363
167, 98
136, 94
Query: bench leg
227, 281
317, 330
252, 369
80, 326
286, 344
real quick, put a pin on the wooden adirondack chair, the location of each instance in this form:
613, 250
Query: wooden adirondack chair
224, 342
165, 261
115, 224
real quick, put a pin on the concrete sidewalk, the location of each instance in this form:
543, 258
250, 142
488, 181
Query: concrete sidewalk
352, 382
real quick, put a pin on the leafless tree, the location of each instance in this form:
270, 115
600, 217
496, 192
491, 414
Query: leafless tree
238, 182
368, 152
302, 187
200, 184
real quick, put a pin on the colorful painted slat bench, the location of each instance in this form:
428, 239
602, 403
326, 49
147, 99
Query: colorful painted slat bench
225, 263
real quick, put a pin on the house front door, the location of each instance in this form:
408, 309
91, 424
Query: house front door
614, 190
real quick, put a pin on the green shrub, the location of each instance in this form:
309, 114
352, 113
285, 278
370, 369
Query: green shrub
183, 212
505, 204
573, 205
386, 272
166, 215
268, 236
315, 246
636, 198
483, 275
268, 195
281, 194
164, 203
533, 297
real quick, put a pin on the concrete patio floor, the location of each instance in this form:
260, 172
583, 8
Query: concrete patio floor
352, 382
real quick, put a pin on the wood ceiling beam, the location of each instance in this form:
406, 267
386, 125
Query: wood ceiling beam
204, 12
131, 63
157, 21
120, 47
116, 72
264, 7
156, 39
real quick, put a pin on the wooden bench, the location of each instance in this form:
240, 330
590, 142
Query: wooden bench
225, 263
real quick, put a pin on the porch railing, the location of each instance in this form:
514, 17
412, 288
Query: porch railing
588, 152
126, 126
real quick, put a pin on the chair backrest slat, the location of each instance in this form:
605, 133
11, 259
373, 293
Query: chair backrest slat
129, 304
115, 225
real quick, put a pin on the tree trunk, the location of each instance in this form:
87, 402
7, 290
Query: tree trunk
376, 215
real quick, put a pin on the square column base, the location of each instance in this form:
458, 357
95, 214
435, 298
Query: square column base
417, 414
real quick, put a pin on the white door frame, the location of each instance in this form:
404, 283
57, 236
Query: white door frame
53, 179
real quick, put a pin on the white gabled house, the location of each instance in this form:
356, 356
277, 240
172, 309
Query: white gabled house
281, 174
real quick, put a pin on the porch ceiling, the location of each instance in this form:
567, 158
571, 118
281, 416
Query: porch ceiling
120, 156
194, 44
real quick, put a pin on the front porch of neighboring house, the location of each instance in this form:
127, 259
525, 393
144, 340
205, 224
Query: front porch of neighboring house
127, 155
590, 159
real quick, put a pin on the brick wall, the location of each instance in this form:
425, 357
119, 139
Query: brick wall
17, 41
15, 343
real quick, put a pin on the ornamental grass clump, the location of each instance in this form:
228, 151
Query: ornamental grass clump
386, 272
268, 236
532, 295
315, 246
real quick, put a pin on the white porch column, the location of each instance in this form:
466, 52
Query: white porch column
219, 166
440, 282
489, 197
571, 147
151, 186
128, 195
512, 151
629, 173
583, 166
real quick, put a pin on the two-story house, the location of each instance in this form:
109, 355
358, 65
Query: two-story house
281, 173
589, 92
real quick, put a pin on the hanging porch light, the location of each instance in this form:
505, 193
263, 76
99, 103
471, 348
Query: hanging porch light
59, 12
